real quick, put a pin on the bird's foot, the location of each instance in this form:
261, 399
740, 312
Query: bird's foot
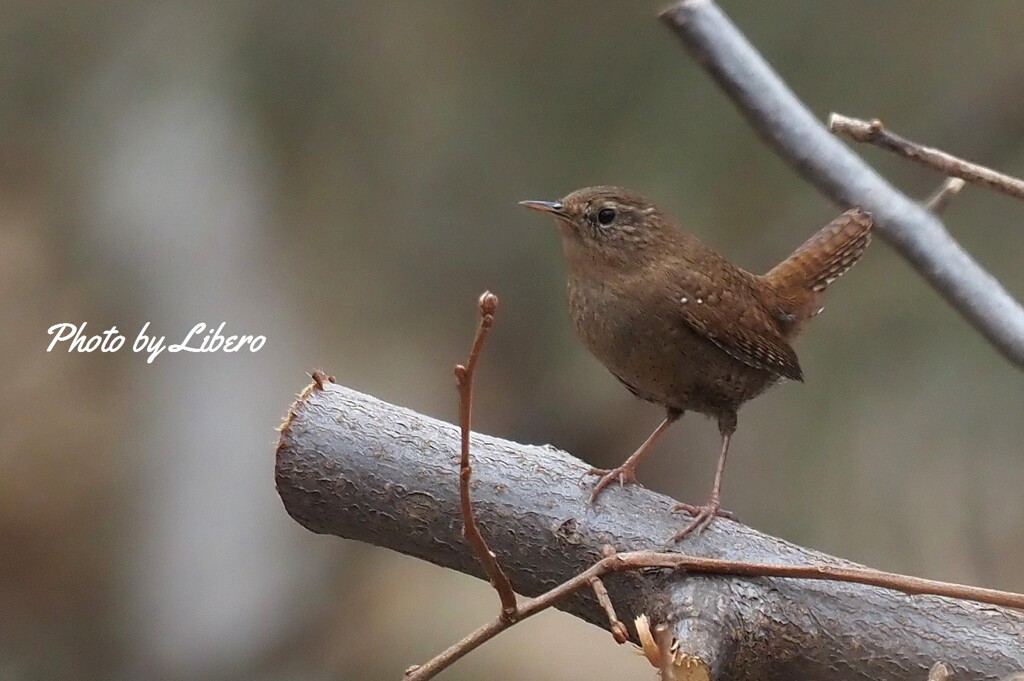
702, 517
625, 474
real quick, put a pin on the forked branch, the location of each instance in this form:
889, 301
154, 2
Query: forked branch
643, 560
788, 127
873, 132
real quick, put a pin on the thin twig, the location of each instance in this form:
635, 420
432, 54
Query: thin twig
636, 560
488, 304
616, 626
874, 132
789, 128
886, 580
526, 609
938, 201
488, 631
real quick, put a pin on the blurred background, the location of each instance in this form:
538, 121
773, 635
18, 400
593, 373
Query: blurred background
342, 178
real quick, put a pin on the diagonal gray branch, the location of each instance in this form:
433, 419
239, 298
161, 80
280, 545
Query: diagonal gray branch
356, 467
798, 137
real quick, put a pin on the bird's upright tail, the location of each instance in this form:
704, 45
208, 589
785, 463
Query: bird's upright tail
825, 256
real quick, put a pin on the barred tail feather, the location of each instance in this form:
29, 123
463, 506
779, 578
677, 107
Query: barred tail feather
825, 256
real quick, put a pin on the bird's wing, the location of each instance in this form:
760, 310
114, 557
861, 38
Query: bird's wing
725, 310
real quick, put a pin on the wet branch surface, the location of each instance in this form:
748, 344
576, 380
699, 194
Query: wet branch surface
356, 467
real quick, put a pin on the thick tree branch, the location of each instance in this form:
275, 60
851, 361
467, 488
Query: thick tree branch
799, 138
350, 465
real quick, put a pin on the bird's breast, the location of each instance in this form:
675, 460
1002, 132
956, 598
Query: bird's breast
643, 341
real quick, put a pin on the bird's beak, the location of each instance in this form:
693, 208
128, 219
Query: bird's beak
544, 206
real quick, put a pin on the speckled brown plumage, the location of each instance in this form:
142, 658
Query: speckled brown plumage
679, 324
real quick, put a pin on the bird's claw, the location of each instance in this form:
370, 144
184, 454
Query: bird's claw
702, 517
624, 474
693, 509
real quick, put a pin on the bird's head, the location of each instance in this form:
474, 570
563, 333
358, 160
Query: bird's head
607, 226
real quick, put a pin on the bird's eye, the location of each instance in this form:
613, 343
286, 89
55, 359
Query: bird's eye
606, 216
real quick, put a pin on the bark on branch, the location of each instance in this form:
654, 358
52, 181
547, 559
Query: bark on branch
356, 467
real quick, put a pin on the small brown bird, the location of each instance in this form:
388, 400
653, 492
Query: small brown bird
678, 324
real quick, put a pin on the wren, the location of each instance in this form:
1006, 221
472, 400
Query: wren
681, 326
